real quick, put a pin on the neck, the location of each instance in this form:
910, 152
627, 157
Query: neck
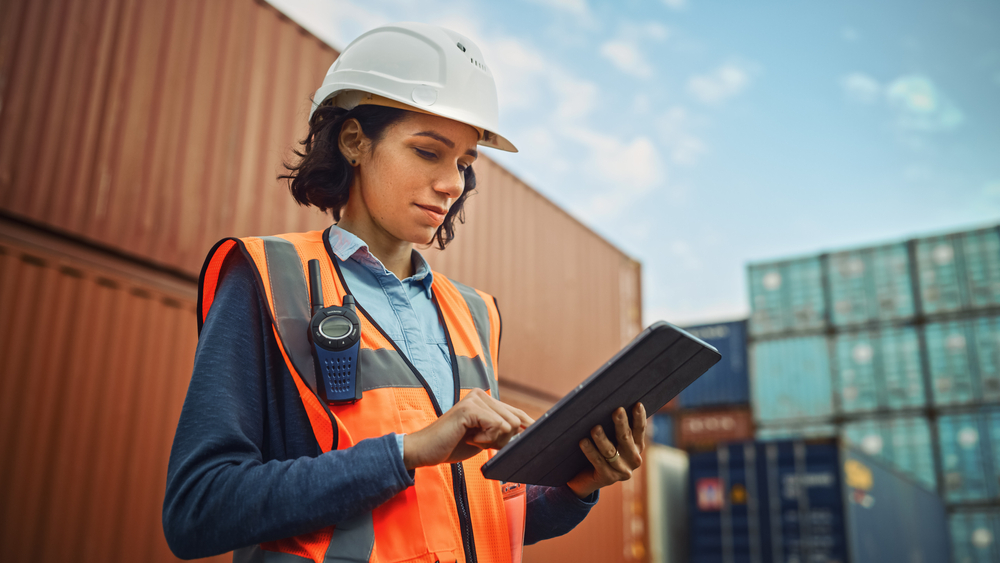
396, 255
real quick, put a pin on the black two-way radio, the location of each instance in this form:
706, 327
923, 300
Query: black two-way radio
335, 333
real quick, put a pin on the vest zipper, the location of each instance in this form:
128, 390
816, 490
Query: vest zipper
457, 472
464, 518
457, 469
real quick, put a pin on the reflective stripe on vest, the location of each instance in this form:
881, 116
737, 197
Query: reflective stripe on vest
451, 509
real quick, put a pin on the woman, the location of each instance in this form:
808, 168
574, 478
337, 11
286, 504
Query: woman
262, 463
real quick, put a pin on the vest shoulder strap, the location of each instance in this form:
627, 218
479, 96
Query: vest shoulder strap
280, 277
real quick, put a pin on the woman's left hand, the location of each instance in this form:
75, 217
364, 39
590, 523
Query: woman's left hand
610, 464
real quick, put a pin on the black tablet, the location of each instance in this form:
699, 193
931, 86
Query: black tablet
653, 368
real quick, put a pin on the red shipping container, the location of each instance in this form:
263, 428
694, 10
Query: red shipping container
708, 428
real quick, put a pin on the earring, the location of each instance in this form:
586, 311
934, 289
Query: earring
354, 162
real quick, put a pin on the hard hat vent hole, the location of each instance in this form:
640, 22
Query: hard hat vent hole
460, 46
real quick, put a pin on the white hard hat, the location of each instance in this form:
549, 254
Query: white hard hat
417, 67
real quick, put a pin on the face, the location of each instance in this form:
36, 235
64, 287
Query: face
407, 183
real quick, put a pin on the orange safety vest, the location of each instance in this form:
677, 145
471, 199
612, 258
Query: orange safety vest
452, 513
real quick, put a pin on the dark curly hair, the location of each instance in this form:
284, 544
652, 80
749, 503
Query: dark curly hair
322, 177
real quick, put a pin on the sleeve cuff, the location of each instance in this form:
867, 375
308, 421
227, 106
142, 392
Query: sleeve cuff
566, 494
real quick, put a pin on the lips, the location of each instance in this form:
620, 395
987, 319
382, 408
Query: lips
435, 213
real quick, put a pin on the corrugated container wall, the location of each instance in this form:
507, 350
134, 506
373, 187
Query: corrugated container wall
155, 128
903, 442
870, 284
704, 429
959, 271
787, 296
964, 356
802, 501
161, 129
85, 447
878, 370
791, 379
974, 536
970, 454
727, 382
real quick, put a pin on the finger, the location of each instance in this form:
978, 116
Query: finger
594, 456
491, 425
639, 426
517, 417
522, 416
603, 444
610, 464
623, 434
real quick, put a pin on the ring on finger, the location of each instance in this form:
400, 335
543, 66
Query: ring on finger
612, 459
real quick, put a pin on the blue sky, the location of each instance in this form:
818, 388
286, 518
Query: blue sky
698, 136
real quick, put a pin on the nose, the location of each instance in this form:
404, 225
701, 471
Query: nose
451, 184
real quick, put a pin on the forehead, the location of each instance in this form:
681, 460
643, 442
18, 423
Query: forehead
464, 136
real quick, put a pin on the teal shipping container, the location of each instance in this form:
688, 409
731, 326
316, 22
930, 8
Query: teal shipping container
791, 380
974, 535
786, 296
870, 284
959, 271
970, 455
964, 358
879, 370
796, 431
904, 443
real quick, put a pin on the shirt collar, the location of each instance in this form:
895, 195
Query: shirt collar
346, 245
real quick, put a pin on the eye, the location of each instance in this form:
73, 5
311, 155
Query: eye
426, 154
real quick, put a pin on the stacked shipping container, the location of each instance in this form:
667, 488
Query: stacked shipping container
162, 128
808, 501
715, 408
896, 348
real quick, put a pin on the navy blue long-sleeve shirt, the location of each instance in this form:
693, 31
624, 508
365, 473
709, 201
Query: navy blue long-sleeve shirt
245, 467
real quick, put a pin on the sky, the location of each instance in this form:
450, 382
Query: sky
700, 136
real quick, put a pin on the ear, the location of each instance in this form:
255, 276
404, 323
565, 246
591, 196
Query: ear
353, 142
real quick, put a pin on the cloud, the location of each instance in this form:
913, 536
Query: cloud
860, 87
574, 7
634, 166
688, 150
627, 57
577, 98
675, 4
640, 103
676, 127
622, 170
720, 85
685, 255
920, 105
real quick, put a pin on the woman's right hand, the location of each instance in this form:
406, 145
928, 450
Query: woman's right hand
475, 423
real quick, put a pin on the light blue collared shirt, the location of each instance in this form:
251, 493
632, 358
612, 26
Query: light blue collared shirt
403, 308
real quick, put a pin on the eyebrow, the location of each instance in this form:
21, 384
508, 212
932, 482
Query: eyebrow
446, 141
